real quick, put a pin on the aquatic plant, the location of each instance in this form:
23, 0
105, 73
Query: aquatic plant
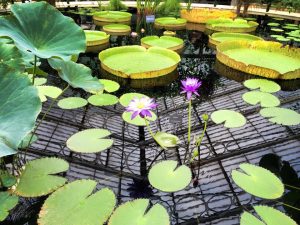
141, 107
169, 8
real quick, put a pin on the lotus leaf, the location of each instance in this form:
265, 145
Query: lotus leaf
49, 91
39, 81
282, 116
137, 121
37, 177
11, 57
117, 29
5, 40
90, 141
231, 118
19, 108
125, 99
103, 100
28, 140
168, 42
263, 85
41, 32
258, 181
7, 202
112, 16
75, 204
262, 58
110, 85
262, 98
137, 62
166, 140
170, 23
268, 215
167, 176
72, 103
77, 75
230, 25
137, 212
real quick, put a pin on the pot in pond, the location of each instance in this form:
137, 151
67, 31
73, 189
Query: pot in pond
170, 23
230, 25
172, 43
108, 17
96, 41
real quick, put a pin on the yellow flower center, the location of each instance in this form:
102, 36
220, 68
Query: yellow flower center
140, 105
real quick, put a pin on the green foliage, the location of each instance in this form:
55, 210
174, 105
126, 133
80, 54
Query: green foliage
281, 116
263, 85
7, 202
103, 100
48, 91
137, 121
6, 180
169, 8
11, 57
72, 103
262, 98
110, 85
292, 5
125, 99
116, 5
166, 140
231, 119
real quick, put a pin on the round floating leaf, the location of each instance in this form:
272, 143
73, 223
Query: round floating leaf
168, 176
262, 98
7, 202
25, 142
137, 121
109, 85
258, 181
19, 108
74, 204
89, 141
264, 85
282, 116
10, 56
231, 118
6, 179
72, 103
40, 81
77, 75
166, 140
125, 99
103, 100
43, 30
267, 216
137, 212
37, 180
49, 91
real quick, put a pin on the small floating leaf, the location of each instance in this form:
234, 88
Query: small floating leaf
137, 121
265, 99
90, 141
7, 202
25, 142
282, 116
258, 181
103, 99
135, 213
166, 140
48, 91
231, 118
167, 176
7, 180
109, 85
75, 204
37, 180
72, 103
263, 84
125, 99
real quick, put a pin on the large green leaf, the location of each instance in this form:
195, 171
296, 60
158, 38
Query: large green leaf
136, 213
43, 30
74, 204
231, 119
7, 202
19, 108
263, 85
262, 98
282, 116
10, 56
77, 75
37, 180
258, 181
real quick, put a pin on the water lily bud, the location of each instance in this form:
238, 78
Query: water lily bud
134, 34
205, 117
142, 30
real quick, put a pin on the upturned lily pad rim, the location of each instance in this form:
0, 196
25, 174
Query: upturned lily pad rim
170, 23
173, 43
102, 38
214, 25
117, 29
112, 16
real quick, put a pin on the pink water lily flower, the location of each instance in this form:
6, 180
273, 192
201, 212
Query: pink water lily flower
190, 86
141, 107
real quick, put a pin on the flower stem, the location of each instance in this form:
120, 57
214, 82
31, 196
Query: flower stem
189, 121
34, 69
151, 133
297, 188
289, 206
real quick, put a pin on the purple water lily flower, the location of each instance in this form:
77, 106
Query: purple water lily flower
141, 107
190, 86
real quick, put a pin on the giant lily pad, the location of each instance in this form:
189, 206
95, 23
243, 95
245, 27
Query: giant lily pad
262, 58
10, 56
90, 141
74, 204
263, 85
172, 43
37, 177
170, 23
262, 98
231, 119
282, 116
137, 62
7, 202
137, 212
108, 17
41, 29
117, 29
103, 100
96, 40
72, 103
267, 216
167, 176
230, 25
258, 181
19, 108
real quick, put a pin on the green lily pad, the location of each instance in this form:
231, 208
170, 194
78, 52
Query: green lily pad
231, 118
90, 141
25, 142
166, 140
10, 56
110, 85
273, 24
37, 80
125, 99
103, 100
264, 85
136, 213
7, 202
77, 75
283, 39
220, 37
38, 27
6, 179
277, 30
48, 91
167, 176
258, 181
19, 108
72, 103
172, 43
37, 177
262, 98
267, 216
137, 121
282, 116
75, 204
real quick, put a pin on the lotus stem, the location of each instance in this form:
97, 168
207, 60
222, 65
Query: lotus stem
151, 132
34, 69
189, 121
